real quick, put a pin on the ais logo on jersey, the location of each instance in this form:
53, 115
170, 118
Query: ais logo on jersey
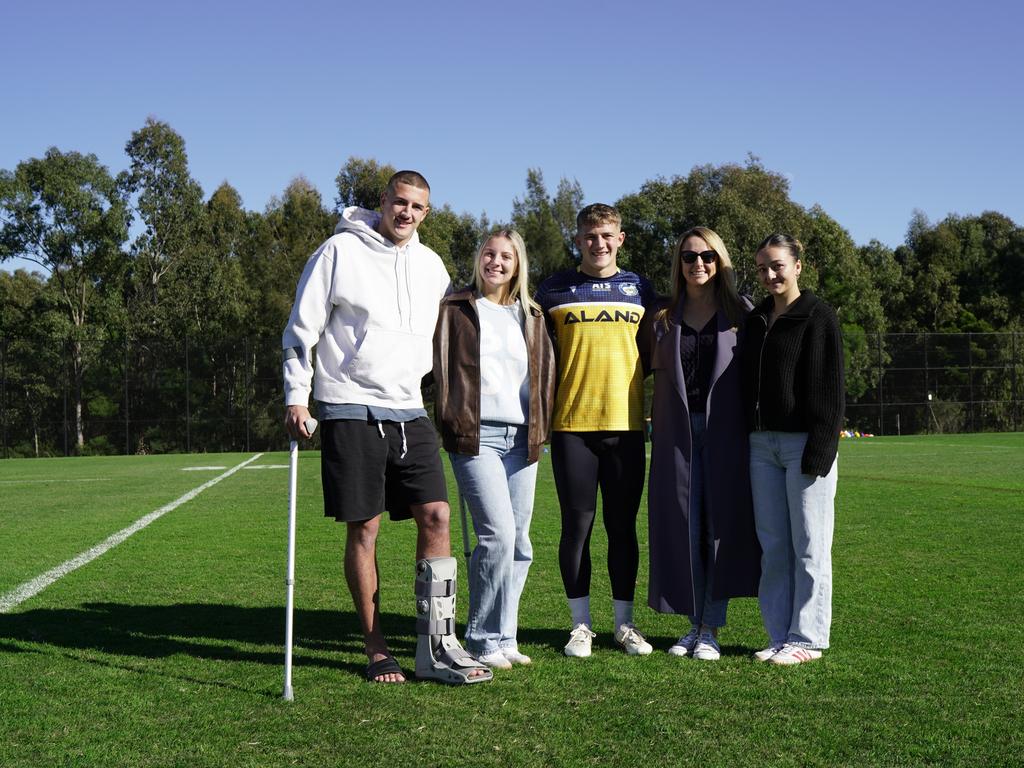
603, 316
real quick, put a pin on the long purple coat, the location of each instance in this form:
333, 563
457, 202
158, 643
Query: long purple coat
737, 566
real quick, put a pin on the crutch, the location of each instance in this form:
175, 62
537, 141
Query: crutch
293, 474
465, 528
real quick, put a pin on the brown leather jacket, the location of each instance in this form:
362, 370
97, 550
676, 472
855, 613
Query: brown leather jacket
457, 375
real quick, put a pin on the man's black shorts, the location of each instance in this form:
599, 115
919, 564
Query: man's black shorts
364, 472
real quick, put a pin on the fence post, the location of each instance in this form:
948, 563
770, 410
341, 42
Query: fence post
881, 389
188, 399
248, 392
3, 392
970, 378
1015, 396
127, 421
927, 398
67, 345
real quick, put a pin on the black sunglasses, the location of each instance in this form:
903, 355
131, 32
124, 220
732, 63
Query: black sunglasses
688, 257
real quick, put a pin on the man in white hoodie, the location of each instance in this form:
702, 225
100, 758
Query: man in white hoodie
367, 302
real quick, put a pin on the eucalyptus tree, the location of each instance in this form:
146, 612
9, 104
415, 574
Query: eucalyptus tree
534, 217
361, 182
65, 212
168, 203
31, 328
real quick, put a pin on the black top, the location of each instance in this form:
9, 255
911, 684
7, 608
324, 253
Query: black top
793, 376
697, 355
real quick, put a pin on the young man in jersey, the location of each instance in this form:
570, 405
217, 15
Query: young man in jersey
594, 313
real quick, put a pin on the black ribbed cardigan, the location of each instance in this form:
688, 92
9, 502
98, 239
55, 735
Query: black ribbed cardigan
793, 376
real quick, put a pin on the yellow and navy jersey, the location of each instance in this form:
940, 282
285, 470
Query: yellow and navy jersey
594, 322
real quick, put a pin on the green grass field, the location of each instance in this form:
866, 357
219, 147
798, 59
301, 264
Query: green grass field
167, 650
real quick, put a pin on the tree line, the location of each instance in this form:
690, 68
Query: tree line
142, 261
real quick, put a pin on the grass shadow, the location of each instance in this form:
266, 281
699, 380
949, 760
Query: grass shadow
213, 632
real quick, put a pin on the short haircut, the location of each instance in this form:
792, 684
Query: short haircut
412, 178
598, 213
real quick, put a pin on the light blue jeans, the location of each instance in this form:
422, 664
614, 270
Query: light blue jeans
498, 486
707, 610
795, 516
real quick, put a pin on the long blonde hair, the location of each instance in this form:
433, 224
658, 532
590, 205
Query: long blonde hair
520, 287
724, 281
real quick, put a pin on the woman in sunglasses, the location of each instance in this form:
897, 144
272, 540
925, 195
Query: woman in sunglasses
793, 392
702, 539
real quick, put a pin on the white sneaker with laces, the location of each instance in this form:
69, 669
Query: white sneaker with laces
580, 640
766, 653
795, 654
684, 645
632, 641
707, 648
495, 660
515, 657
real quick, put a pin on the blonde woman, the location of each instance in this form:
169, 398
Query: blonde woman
494, 370
703, 541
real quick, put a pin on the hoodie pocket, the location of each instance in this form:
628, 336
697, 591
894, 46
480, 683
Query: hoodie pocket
390, 364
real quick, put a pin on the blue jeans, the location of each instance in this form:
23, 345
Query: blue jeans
795, 516
707, 610
498, 486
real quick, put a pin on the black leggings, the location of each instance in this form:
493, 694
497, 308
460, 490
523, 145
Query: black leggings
581, 462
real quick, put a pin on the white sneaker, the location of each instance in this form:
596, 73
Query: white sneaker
707, 648
515, 657
684, 645
496, 660
795, 654
632, 641
580, 640
766, 653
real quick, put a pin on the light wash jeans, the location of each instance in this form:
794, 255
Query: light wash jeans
707, 610
795, 516
498, 485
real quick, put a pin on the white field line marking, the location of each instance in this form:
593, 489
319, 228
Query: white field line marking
200, 469
269, 466
57, 480
29, 589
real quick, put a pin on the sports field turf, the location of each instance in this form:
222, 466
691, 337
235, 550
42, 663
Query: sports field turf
167, 649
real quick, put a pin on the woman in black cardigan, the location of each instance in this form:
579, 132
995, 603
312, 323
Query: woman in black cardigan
794, 394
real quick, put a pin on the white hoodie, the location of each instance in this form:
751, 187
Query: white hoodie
369, 307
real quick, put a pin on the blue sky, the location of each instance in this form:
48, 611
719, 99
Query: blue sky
872, 110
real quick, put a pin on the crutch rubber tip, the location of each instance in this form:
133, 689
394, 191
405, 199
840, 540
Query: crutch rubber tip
288, 695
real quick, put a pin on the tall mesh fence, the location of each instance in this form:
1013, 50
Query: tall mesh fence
59, 397
942, 382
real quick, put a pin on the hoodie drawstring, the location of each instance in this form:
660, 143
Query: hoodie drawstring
402, 260
401, 428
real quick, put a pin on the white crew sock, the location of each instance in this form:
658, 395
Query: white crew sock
579, 607
623, 612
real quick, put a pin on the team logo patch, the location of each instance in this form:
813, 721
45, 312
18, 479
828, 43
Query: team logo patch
628, 289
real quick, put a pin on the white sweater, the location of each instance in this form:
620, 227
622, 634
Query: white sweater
369, 308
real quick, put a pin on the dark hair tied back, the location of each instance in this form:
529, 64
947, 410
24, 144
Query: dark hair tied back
781, 240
